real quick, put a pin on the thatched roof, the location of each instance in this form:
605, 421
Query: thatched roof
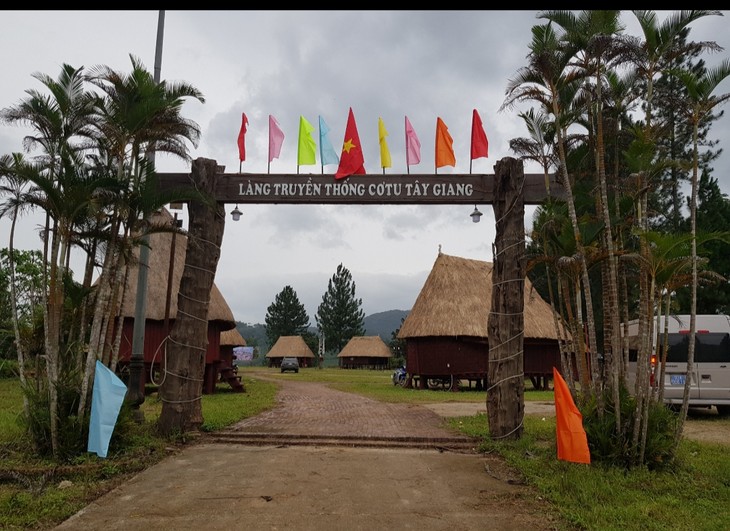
457, 297
159, 267
232, 338
290, 346
365, 347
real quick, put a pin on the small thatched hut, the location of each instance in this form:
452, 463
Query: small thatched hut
365, 352
228, 371
290, 347
167, 251
446, 331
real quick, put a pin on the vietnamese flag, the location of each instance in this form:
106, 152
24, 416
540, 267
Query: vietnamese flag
444, 145
351, 159
479, 142
571, 436
242, 138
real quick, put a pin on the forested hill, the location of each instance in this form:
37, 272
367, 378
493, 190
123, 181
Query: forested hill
381, 324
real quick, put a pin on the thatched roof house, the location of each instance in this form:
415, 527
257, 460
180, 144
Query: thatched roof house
446, 330
290, 347
232, 338
168, 249
456, 299
161, 248
365, 352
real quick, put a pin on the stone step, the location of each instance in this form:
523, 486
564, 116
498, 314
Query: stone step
277, 439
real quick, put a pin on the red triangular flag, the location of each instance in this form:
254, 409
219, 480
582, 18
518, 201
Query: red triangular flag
571, 437
479, 142
351, 159
242, 138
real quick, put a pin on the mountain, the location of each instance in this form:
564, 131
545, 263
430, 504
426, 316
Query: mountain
381, 324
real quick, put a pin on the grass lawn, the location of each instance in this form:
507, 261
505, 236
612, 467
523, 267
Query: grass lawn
693, 494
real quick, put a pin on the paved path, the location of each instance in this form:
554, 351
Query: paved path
274, 485
314, 413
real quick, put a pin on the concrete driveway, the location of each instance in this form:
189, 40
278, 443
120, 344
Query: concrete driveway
273, 482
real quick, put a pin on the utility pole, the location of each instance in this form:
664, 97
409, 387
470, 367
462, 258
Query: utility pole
135, 390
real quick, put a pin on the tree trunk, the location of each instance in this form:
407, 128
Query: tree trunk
182, 389
506, 324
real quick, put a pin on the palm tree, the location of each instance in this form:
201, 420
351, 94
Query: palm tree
549, 81
540, 146
593, 33
58, 121
658, 48
13, 185
133, 116
700, 89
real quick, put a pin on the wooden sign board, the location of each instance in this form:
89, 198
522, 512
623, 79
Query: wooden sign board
434, 189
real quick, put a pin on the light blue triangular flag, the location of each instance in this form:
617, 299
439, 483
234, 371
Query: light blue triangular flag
107, 398
327, 154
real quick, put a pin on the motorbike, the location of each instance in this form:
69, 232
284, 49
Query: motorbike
399, 376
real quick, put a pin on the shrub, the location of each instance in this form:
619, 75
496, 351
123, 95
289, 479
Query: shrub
614, 448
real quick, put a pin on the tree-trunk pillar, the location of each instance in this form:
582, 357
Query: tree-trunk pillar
182, 388
506, 324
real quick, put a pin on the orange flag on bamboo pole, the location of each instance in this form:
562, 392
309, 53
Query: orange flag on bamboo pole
444, 145
571, 436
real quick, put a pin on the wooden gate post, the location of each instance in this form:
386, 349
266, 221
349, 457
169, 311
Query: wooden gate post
506, 324
182, 388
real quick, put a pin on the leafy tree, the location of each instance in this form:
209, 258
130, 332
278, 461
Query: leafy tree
286, 316
340, 317
713, 215
398, 346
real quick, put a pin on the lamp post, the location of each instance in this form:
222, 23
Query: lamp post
135, 389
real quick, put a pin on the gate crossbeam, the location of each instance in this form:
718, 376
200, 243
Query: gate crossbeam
397, 189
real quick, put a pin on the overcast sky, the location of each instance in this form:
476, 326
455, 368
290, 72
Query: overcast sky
383, 64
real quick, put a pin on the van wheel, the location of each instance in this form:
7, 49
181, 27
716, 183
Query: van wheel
723, 411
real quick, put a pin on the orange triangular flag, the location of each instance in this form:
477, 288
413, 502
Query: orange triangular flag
571, 437
444, 145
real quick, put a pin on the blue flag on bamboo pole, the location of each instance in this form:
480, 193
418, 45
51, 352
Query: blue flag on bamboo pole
107, 398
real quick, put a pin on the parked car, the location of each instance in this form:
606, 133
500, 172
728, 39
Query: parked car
710, 377
289, 364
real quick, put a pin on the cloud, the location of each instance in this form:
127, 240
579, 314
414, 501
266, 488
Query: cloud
383, 64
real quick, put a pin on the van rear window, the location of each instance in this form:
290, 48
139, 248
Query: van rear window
709, 348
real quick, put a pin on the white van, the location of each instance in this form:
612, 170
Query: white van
710, 379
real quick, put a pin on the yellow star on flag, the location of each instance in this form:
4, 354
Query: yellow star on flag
348, 145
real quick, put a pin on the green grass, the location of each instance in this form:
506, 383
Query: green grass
379, 386
694, 494
30, 497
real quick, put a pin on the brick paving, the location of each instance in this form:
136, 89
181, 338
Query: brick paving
313, 409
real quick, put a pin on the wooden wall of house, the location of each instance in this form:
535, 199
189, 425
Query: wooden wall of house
468, 358
154, 336
364, 362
